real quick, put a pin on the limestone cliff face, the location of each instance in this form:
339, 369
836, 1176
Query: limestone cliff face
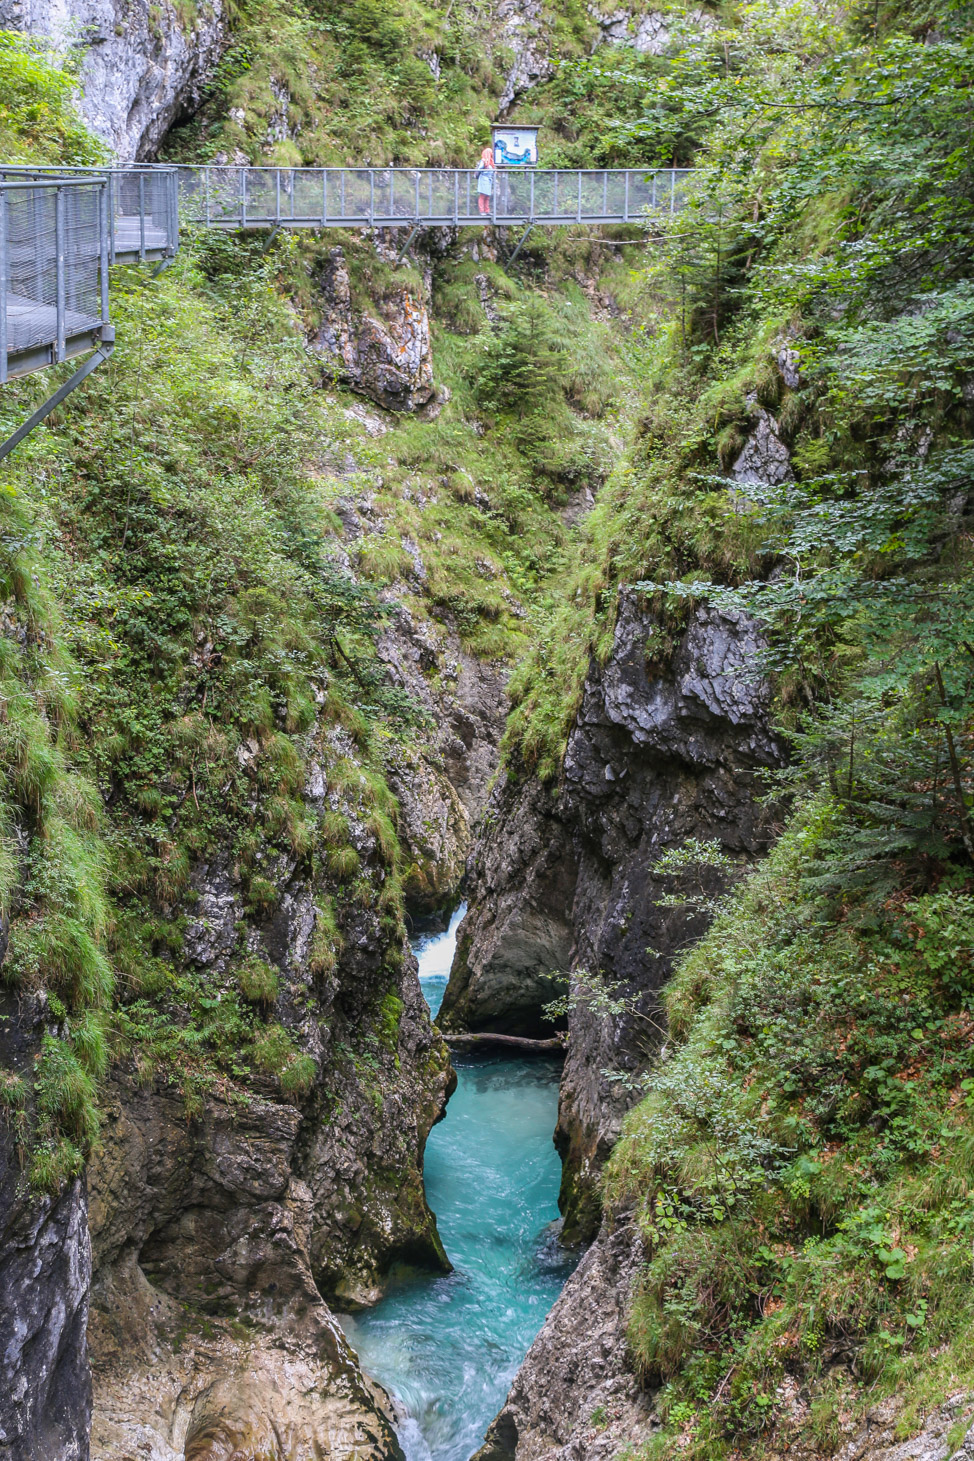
209, 1336
144, 66
384, 350
442, 785
45, 1271
666, 746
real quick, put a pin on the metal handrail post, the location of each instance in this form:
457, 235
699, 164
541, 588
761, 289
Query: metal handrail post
59, 270
324, 196
4, 270
111, 218
625, 208
532, 197
243, 198
605, 192
371, 195
206, 193
342, 214
554, 198
103, 211
141, 217
277, 195
416, 211
578, 210
174, 195
672, 191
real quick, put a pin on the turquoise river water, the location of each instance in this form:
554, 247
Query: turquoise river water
448, 1348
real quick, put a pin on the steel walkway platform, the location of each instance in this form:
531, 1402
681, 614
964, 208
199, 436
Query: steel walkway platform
60, 232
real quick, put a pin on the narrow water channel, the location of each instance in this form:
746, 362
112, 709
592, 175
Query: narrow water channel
448, 1348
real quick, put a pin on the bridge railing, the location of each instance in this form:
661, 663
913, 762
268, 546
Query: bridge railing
60, 231
53, 269
144, 213
241, 197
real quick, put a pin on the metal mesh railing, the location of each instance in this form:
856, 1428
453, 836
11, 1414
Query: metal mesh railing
60, 230
145, 213
53, 268
238, 197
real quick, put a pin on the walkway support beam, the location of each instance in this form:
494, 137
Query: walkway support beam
92, 363
406, 246
520, 243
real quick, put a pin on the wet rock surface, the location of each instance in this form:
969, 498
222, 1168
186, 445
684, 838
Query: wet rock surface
45, 1271
519, 931
573, 1396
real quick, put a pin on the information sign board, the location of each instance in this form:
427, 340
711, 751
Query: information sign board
515, 146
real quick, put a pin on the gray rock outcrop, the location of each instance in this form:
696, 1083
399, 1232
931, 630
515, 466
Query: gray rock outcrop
667, 746
209, 1335
520, 28
441, 784
45, 1271
383, 351
765, 459
143, 68
650, 32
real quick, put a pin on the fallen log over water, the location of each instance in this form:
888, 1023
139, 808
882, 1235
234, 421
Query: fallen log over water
520, 1042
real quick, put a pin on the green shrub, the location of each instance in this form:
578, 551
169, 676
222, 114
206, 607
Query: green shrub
259, 981
326, 941
38, 122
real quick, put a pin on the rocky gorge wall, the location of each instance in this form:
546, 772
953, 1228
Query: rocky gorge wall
667, 745
223, 1228
220, 1242
45, 1276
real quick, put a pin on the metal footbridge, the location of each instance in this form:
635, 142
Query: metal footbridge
61, 230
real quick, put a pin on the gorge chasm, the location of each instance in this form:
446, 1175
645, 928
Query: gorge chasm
592, 621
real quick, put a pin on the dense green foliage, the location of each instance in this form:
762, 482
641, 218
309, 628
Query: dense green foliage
188, 615
37, 119
365, 82
800, 1166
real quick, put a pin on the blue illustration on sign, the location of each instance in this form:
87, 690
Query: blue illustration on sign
516, 149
